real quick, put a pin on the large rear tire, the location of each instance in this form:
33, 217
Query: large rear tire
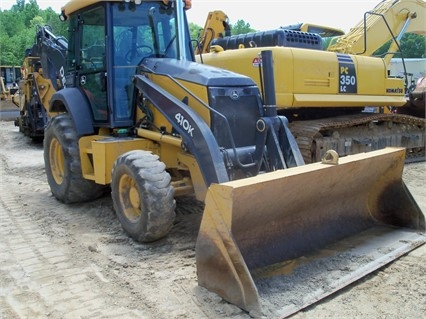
63, 165
142, 195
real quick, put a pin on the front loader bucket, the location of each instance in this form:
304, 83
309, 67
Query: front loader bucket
278, 242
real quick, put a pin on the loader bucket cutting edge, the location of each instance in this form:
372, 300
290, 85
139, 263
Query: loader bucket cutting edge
278, 242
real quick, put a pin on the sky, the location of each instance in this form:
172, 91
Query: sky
264, 14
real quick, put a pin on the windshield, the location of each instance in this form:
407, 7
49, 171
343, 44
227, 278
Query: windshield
138, 32
146, 30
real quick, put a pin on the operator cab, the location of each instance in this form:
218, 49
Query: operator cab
108, 41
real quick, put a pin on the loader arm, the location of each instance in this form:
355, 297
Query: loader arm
214, 145
198, 137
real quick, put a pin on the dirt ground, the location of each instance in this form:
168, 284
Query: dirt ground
74, 261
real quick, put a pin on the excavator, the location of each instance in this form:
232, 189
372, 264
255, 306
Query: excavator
138, 117
374, 30
324, 92
42, 75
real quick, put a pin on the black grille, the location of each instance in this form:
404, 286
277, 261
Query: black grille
278, 37
240, 109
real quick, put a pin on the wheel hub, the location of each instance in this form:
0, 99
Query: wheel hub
129, 198
56, 157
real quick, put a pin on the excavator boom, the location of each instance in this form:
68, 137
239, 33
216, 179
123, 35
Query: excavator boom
389, 20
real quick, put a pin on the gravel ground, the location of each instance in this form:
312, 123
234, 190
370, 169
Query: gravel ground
74, 261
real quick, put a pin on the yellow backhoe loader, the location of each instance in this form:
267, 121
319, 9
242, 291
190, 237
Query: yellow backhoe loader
324, 92
138, 114
42, 75
4, 92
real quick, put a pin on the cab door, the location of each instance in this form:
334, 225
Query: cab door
91, 61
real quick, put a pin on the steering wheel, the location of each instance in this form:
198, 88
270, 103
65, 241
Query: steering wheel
138, 52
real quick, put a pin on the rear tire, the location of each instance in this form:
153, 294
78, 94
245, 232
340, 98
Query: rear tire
142, 195
63, 165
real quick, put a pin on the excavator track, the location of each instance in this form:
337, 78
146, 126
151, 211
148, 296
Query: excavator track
360, 133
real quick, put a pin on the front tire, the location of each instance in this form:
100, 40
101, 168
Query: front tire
63, 165
142, 195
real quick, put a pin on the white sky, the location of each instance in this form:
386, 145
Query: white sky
264, 14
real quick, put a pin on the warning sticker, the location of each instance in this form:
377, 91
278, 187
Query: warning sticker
257, 62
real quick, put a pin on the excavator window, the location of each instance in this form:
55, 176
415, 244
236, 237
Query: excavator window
149, 32
139, 32
92, 61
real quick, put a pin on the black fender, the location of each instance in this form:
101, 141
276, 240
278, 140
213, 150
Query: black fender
74, 102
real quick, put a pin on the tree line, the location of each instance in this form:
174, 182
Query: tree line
18, 29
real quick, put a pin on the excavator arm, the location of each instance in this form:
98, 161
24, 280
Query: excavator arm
390, 19
216, 26
51, 50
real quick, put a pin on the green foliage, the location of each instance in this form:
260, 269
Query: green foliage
18, 29
241, 27
195, 32
412, 46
